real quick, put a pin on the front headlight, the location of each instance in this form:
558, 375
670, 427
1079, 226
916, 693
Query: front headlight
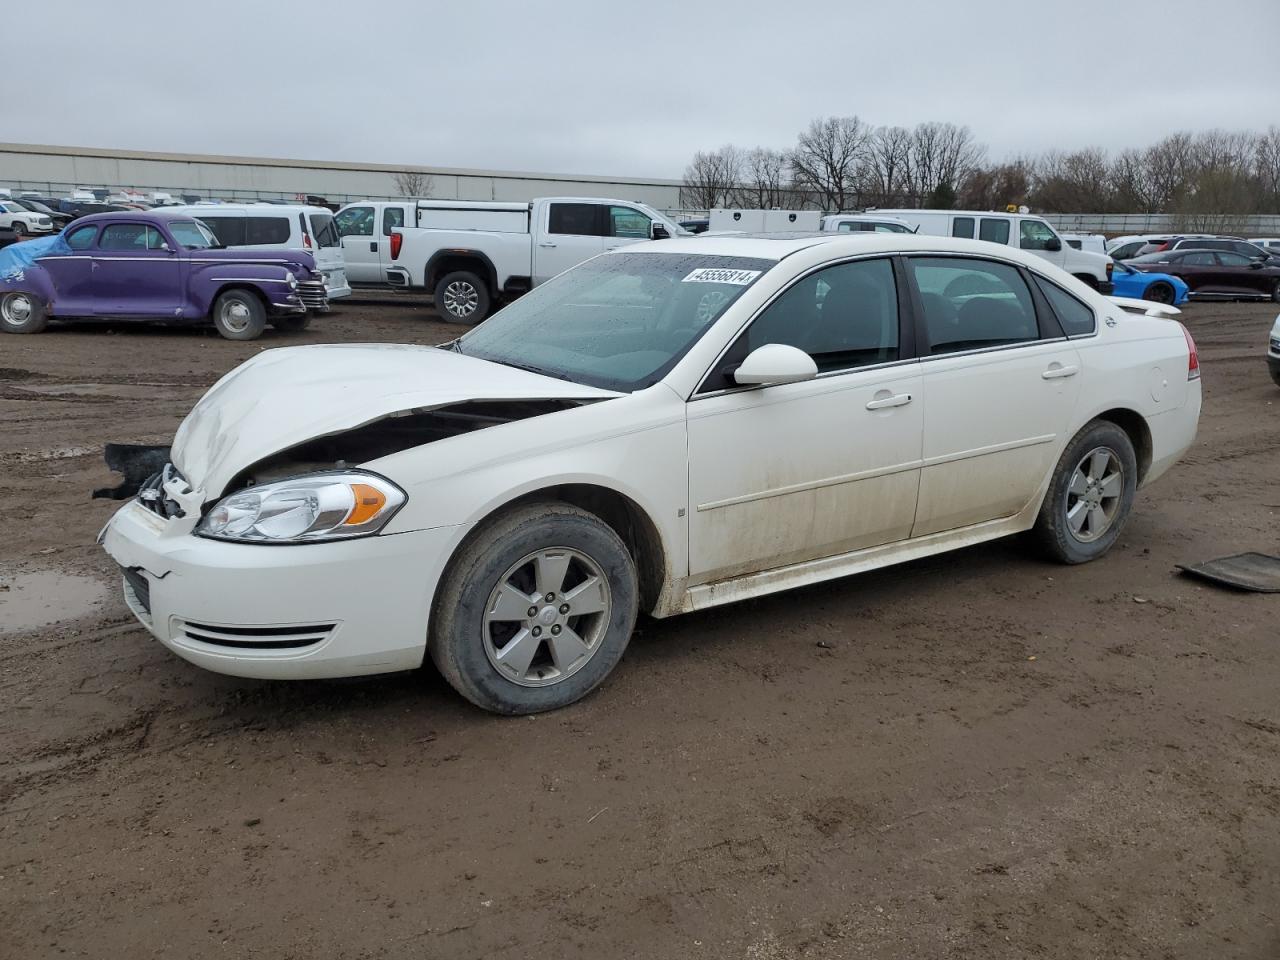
293, 282
321, 506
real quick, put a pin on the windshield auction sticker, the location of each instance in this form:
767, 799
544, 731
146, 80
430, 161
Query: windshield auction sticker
738, 278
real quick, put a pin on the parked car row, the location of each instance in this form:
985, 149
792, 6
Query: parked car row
1208, 266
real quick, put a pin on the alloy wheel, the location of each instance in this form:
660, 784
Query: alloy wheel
236, 315
1094, 494
547, 616
461, 299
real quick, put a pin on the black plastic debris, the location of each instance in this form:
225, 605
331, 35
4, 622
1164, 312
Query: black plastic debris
1257, 572
137, 462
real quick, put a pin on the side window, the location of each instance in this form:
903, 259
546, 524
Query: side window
1202, 259
844, 316
1076, 318
1127, 250
962, 227
972, 304
574, 219
355, 222
323, 230
892, 228
124, 236
628, 222
228, 230
267, 231
392, 219
82, 237
996, 231
1234, 260
1034, 235
155, 240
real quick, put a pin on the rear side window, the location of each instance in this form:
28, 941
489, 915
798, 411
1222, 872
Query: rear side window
973, 304
230, 231
1075, 316
844, 316
124, 236
996, 231
82, 237
962, 227
575, 219
847, 227
392, 219
267, 231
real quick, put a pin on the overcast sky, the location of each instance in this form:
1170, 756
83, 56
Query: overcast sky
623, 87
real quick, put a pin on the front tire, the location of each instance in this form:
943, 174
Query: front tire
462, 297
22, 313
1090, 495
535, 611
19, 229
1159, 292
239, 315
1275, 292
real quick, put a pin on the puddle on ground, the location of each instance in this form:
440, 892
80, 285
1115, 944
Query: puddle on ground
32, 600
116, 391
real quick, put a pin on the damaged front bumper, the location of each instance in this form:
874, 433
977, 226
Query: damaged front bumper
301, 611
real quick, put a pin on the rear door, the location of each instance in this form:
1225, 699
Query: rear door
72, 273
1200, 271
357, 227
568, 233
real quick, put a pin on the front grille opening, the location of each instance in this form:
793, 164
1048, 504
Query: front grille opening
258, 638
139, 585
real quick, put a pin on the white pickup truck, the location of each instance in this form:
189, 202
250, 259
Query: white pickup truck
468, 254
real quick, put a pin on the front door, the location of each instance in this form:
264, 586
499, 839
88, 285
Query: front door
136, 273
627, 225
1037, 237
1000, 386
1244, 275
792, 472
360, 244
571, 233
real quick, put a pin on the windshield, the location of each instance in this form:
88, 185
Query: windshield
619, 321
192, 235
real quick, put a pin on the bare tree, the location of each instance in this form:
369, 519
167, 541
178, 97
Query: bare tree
1073, 182
712, 178
826, 158
887, 170
942, 155
997, 186
763, 177
413, 183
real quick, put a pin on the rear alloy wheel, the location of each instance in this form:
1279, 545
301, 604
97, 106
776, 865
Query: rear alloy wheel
239, 315
1159, 292
1090, 495
22, 313
535, 611
462, 297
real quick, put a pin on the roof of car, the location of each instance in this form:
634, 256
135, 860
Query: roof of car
145, 216
265, 209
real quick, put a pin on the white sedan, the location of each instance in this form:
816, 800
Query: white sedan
677, 425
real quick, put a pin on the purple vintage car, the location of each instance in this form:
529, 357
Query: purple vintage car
156, 266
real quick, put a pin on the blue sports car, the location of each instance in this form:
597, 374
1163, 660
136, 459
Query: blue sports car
1160, 287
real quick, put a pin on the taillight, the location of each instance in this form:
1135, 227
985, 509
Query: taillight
396, 240
1193, 358
306, 240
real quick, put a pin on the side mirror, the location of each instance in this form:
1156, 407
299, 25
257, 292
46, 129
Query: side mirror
775, 363
658, 231
1053, 245
1257, 263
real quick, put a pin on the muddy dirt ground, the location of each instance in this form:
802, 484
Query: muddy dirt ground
975, 756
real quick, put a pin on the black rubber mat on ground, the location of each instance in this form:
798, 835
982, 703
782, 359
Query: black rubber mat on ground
1245, 571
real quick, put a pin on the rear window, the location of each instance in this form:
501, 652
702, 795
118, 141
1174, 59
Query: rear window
324, 231
265, 231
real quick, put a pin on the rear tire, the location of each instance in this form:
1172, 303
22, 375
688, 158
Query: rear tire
1090, 495
295, 323
1275, 292
1159, 292
22, 312
239, 315
535, 611
19, 229
462, 297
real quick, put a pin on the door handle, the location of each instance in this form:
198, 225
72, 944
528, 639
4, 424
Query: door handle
1059, 373
897, 400
373, 246
546, 243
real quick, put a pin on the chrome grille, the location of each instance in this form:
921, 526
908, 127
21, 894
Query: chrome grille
313, 295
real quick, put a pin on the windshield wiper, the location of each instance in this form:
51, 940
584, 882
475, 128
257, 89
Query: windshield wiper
532, 369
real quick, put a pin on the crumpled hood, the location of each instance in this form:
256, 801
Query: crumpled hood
286, 396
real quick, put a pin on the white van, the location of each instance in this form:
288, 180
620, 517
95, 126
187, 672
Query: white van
1022, 230
267, 226
864, 223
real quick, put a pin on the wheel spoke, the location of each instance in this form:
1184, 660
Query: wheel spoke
1112, 485
549, 571
567, 648
1098, 464
519, 653
587, 597
1079, 484
1097, 521
509, 604
1076, 515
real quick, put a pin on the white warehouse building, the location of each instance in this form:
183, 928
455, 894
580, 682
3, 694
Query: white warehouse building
60, 170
